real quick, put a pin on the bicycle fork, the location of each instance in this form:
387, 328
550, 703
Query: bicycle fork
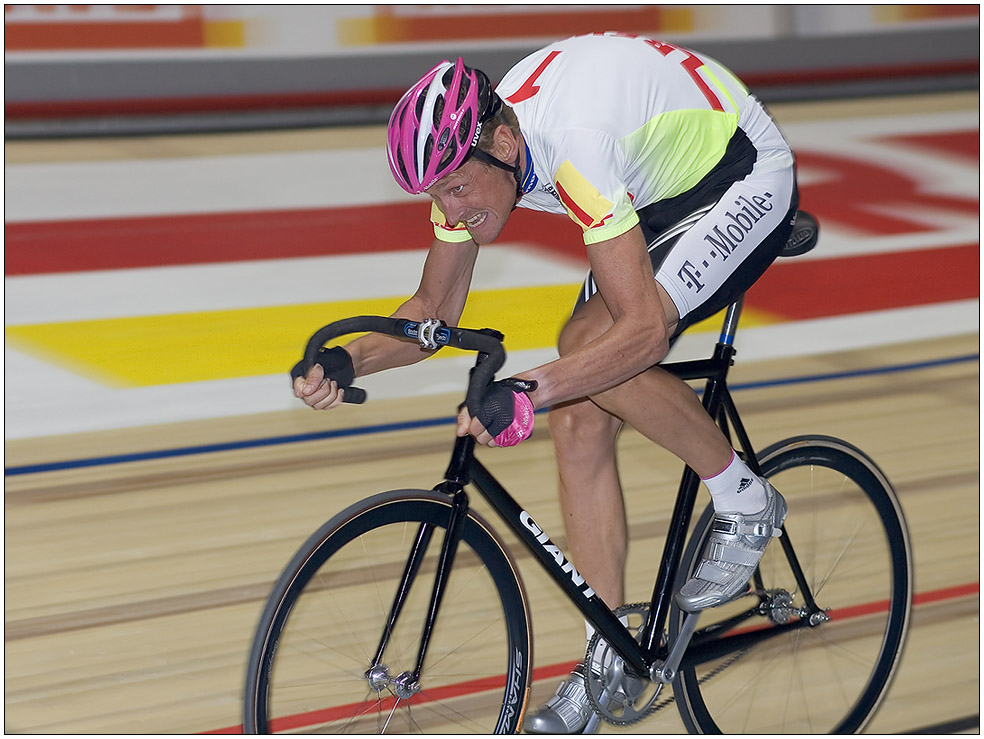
407, 684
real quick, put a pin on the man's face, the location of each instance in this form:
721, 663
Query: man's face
478, 195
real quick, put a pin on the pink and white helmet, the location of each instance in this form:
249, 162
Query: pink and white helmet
436, 124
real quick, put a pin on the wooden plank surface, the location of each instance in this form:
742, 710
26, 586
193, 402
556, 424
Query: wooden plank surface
132, 589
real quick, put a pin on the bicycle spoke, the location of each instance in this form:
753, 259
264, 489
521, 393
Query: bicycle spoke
831, 673
326, 628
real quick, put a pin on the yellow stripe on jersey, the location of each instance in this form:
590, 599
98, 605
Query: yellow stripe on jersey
585, 205
681, 147
722, 90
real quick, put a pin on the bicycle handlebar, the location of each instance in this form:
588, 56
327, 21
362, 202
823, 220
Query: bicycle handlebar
430, 334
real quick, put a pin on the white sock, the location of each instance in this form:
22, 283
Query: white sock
736, 488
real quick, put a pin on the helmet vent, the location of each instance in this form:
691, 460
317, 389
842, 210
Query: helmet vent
438, 112
464, 127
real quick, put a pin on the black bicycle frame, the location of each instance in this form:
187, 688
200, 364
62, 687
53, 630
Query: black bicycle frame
640, 656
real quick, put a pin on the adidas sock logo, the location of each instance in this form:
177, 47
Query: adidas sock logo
744, 484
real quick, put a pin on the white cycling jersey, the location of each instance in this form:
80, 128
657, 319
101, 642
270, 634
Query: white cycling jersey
613, 123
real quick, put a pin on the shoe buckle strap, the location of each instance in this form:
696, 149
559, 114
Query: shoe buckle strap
572, 690
710, 572
733, 528
570, 702
724, 526
721, 552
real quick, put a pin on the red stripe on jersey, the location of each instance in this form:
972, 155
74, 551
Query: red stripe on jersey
528, 89
586, 220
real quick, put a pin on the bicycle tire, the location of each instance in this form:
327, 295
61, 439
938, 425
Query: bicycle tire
324, 618
848, 531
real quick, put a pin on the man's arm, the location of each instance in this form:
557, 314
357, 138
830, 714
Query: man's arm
443, 289
636, 339
632, 337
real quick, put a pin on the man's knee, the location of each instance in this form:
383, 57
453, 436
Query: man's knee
582, 427
580, 330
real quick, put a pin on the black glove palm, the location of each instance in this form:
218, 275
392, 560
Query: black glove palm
336, 362
498, 405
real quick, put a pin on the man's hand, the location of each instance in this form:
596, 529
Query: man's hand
318, 392
323, 385
506, 415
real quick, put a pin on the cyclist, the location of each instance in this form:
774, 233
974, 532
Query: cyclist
672, 171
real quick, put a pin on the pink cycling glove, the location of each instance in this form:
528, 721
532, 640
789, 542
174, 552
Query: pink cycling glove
522, 423
507, 411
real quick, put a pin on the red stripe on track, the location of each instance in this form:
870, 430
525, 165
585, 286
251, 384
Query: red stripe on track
547, 672
951, 593
963, 144
154, 241
791, 289
799, 290
47, 247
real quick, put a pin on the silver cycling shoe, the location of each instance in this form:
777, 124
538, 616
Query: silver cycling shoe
568, 710
733, 550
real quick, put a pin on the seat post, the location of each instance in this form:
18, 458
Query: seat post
730, 325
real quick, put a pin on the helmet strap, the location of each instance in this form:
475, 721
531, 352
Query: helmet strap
496, 162
489, 159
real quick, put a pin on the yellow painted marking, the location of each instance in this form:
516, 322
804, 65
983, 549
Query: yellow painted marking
229, 33
212, 345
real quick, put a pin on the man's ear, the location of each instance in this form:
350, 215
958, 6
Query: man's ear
505, 145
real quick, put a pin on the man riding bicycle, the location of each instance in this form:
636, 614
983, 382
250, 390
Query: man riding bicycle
673, 171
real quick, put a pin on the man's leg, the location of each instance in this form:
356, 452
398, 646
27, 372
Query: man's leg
666, 410
591, 495
591, 503
657, 404
584, 435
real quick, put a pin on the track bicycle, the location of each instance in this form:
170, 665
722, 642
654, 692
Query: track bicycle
406, 612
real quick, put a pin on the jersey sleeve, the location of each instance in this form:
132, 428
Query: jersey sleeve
445, 232
590, 187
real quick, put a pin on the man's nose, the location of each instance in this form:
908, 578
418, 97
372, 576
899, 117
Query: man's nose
453, 213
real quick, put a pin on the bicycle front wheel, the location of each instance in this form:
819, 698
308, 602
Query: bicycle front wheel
772, 663
326, 618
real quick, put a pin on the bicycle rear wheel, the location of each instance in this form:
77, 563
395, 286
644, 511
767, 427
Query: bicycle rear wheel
326, 616
846, 529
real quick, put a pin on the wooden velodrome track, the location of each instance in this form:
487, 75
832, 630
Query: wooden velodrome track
132, 587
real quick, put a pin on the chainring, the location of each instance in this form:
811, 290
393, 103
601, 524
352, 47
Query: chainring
618, 698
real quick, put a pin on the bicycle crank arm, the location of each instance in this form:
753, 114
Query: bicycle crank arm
666, 672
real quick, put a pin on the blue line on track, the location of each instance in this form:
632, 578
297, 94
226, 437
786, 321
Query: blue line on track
423, 423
